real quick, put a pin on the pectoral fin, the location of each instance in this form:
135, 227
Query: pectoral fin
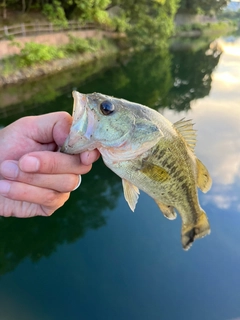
204, 181
168, 211
131, 193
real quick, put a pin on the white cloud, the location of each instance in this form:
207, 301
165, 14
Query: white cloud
217, 119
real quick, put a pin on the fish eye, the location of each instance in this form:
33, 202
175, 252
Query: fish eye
106, 107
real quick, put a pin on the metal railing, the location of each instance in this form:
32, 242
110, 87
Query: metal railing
30, 29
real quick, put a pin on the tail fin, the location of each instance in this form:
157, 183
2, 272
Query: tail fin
192, 232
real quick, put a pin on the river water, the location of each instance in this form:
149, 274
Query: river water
94, 259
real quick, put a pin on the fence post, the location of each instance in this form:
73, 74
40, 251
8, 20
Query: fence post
6, 31
23, 29
50, 27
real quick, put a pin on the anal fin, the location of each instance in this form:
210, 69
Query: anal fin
131, 193
168, 211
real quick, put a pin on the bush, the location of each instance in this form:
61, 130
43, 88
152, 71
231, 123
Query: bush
33, 53
77, 45
120, 24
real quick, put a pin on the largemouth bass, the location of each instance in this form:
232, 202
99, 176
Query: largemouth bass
148, 152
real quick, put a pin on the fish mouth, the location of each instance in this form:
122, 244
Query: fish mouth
79, 138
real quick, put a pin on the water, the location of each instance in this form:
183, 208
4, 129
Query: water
94, 258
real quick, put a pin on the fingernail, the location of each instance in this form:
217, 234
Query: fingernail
4, 187
9, 169
29, 164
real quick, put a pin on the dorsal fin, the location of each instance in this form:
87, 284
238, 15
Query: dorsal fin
185, 128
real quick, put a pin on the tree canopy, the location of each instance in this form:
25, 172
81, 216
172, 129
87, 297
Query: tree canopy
147, 23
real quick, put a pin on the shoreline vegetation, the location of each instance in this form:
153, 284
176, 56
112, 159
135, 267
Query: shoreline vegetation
37, 60
132, 27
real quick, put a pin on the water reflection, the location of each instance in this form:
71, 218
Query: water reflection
157, 79
24, 98
217, 121
192, 73
181, 81
39, 237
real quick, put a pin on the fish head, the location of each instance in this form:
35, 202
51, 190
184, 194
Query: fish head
104, 122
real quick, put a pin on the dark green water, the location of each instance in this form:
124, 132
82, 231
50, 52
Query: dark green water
94, 259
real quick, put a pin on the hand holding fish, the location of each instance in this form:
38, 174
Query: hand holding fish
34, 179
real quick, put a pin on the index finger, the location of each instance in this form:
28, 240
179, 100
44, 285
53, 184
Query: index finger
52, 163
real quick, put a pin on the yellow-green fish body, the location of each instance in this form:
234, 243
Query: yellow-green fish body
148, 152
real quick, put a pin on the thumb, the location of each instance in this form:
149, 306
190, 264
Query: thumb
51, 127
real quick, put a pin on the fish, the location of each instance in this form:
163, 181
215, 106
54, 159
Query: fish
148, 153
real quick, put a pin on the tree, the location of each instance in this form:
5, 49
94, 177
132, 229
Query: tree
151, 22
91, 10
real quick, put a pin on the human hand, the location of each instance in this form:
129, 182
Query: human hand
35, 180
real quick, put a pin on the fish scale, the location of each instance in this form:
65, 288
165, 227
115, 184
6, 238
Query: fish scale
148, 152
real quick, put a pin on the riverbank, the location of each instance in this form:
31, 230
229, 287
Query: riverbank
62, 51
54, 66
12, 73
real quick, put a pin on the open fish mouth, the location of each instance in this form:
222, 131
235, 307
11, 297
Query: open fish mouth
82, 127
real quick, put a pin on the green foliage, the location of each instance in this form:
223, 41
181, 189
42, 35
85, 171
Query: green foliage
147, 23
77, 45
151, 23
33, 53
88, 10
99, 44
55, 13
121, 23
80, 45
